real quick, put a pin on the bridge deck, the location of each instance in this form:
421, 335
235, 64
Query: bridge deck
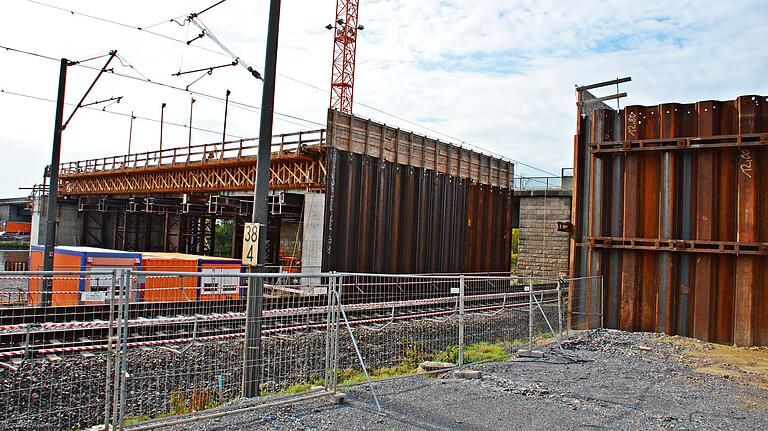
297, 163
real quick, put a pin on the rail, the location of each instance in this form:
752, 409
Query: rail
122, 358
289, 143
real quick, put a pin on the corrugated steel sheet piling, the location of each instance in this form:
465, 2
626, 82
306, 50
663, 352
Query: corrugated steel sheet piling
397, 202
668, 200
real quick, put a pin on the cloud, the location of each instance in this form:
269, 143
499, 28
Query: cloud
496, 73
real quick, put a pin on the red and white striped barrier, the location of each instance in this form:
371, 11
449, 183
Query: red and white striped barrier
11, 354
100, 324
148, 343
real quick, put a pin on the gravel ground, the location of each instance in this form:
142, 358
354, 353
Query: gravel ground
619, 381
68, 393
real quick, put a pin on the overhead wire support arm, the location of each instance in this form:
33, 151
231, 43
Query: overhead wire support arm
206, 32
112, 55
207, 70
204, 69
111, 99
199, 36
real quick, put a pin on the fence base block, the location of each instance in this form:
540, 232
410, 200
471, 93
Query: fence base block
467, 374
530, 354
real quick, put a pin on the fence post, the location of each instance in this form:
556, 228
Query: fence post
338, 288
28, 340
108, 384
461, 320
328, 335
124, 368
118, 347
559, 310
530, 315
331, 330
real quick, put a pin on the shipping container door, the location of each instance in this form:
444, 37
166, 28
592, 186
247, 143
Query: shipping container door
220, 283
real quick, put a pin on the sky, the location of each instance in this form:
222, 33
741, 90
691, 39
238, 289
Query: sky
495, 74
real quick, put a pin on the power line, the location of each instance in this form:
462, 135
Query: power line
462, 141
208, 8
122, 114
146, 80
113, 22
33, 54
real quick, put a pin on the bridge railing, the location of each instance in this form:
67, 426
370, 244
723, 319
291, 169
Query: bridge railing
563, 182
289, 143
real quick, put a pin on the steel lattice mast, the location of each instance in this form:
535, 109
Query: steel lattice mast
345, 30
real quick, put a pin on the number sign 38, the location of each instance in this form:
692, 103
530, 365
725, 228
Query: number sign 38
251, 243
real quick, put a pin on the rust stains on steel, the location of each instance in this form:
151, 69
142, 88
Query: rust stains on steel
676, 196
297, 163
382, 217
357, 135
397, 202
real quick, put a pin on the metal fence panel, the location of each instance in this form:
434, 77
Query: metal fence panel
55, 359
137, 346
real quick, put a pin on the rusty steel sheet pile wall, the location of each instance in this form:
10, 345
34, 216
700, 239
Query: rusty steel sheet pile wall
672, 205
445, 210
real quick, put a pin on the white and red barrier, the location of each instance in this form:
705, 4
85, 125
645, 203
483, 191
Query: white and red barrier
293, 328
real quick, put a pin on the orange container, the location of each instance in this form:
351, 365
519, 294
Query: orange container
70, 290
215, 287
169, 289
15, 227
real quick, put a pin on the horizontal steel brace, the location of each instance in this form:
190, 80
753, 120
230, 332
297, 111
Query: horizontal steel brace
690, 143
604, 84
680, 245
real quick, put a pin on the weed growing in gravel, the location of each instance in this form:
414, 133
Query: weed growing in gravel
132, 420
295, 389
473, 353
201, 399
410, 363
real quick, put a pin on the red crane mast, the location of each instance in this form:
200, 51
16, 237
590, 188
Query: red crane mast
345, 30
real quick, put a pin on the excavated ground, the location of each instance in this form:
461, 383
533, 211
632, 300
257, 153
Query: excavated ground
604, 380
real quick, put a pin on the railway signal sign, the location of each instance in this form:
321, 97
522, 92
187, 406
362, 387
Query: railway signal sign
251, 243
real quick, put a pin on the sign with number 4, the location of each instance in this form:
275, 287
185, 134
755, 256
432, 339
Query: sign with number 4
251, 243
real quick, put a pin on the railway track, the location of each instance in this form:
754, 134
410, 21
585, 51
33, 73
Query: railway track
40, 332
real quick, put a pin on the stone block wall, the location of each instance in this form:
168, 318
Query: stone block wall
543, 251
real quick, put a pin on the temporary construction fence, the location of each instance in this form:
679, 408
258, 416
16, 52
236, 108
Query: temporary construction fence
119, 361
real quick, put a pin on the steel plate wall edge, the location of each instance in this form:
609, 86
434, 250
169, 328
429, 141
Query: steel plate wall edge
707, 191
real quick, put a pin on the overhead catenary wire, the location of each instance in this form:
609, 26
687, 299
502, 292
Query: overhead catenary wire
110, 21
138, 117
236, 58
461, 141
146, 80
209, 8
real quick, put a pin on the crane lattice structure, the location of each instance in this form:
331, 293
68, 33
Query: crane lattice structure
345, 30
